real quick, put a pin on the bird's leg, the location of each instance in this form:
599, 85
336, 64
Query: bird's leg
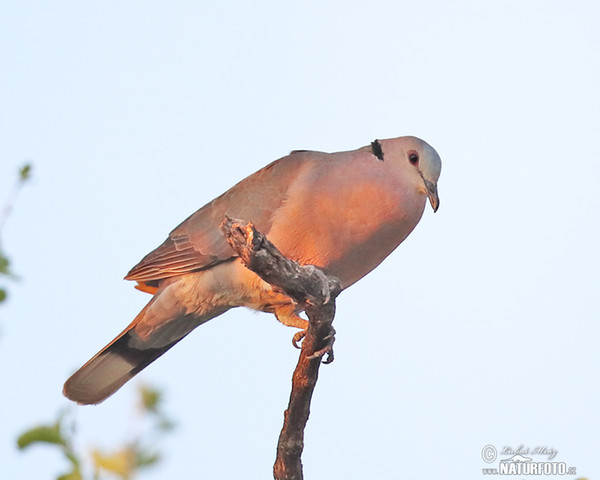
288, 316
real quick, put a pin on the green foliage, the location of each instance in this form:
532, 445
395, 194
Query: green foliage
74, 475
4, 265
24, 176
124, 461
150, 398
54, 434
42, 434
151, 403
146, 459
4, 271
25, 172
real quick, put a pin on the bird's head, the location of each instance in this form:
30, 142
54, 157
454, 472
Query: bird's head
416, 156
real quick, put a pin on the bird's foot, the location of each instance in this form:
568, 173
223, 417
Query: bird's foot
298, 336
287, 316
327, 349
290, 318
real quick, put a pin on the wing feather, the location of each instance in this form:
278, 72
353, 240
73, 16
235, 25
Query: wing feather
198, 243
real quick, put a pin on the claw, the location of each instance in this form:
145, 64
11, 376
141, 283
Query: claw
298, 336
327, 349
320, 353
331, 336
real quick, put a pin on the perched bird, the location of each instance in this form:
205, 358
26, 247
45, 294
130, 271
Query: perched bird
344, 212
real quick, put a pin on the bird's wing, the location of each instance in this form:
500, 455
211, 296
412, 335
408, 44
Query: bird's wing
198, 242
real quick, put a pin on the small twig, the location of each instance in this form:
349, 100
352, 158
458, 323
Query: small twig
310, 287
24, 176
288, 464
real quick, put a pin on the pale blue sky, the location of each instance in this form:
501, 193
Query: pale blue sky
482, 328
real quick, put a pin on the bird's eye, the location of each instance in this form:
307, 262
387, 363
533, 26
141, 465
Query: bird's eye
413, 157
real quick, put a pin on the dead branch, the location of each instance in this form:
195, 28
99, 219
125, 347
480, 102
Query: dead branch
310, 287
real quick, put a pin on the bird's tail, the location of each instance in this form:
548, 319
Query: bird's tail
159, 326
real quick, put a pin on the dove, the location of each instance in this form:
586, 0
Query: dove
343, 212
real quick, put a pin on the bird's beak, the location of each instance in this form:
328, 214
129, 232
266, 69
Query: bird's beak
432, 193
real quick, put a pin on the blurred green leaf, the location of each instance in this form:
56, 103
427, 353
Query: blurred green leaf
25, 172
4, 265
2, 294
146, 459
75, 474
72, 458
165, 424
151, 398
42, 434
123, 462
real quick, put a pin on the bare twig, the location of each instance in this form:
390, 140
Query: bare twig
310, 287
